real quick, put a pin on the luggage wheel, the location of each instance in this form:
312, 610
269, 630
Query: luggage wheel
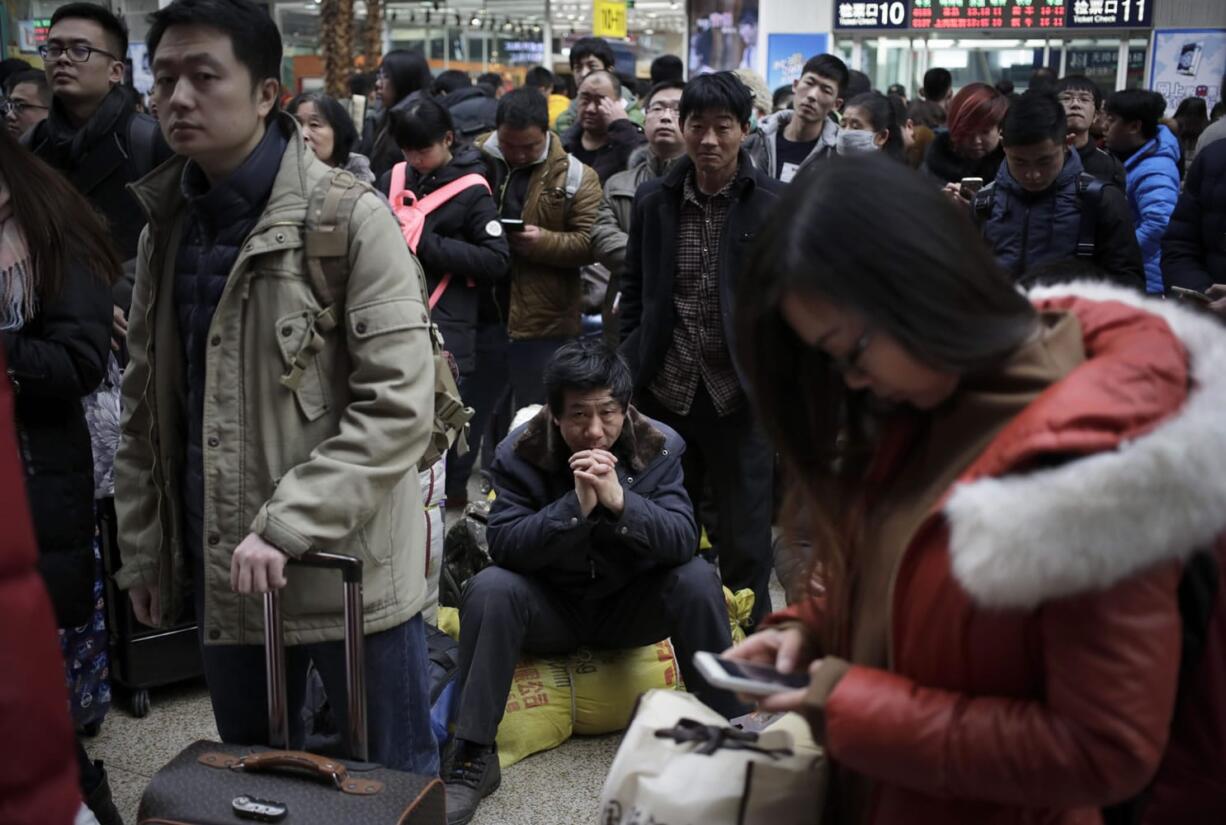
138, 703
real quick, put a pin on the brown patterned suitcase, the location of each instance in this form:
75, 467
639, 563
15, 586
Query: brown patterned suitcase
209, 783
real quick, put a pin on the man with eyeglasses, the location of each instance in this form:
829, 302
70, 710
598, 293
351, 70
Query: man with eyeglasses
93, 133
604, 136
664, 145
1082, 100
26, 103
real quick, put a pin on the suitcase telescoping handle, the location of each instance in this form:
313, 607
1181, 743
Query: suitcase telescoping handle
355, 653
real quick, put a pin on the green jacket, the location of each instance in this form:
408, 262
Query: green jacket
634, 110
330, 466
546, 294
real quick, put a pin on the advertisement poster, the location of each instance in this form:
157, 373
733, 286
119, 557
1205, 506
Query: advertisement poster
1188, 63
723, 35
786, 55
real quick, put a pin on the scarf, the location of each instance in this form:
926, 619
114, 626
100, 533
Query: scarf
18, 297
68, 144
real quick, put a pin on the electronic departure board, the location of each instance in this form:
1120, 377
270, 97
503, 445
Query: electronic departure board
987, 14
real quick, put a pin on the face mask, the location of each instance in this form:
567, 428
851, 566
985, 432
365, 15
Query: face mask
856, 142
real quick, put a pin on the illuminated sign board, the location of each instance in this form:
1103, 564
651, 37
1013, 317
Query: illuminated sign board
951, 15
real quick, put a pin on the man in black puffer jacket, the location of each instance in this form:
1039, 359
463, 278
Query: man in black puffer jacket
93, 134
1193, 249
1043, 208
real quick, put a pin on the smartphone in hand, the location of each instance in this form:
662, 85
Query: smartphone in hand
743, 677
512, 224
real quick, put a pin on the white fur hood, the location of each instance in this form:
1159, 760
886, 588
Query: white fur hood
1019, 540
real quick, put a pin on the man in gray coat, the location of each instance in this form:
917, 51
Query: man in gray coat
787, 141
664, 145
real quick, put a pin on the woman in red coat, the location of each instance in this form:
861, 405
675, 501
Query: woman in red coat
1019, 505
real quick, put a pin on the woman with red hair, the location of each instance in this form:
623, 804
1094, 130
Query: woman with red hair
970, 148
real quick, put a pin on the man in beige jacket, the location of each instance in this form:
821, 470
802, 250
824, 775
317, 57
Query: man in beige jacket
233, 461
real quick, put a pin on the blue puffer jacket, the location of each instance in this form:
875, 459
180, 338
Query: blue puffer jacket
1194, 249
1153, 189
219, 221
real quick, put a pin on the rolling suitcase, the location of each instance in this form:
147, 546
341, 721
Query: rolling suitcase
209, 783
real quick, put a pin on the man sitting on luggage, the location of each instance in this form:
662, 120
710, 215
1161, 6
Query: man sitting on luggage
593, 538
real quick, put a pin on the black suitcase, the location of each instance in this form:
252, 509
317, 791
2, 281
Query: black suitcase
143, 657
210, 783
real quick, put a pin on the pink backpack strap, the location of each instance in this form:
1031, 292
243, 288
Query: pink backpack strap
396, 190
443, 194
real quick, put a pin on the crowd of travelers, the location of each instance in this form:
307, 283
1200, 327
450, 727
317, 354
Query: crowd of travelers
960, 355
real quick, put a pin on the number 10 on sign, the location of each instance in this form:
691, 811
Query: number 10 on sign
609, 18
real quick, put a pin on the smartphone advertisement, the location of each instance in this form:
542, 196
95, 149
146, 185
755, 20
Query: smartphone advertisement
1188, 63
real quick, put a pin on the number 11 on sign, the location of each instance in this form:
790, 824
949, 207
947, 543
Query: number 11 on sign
609, 18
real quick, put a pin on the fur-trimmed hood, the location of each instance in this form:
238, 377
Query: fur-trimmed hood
540, 442
1144, 419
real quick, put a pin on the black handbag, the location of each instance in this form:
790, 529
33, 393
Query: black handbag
210, 783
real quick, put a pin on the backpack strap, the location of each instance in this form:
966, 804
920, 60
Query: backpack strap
395, 191
1090, 193
142, 135
443, 194
329, 212
574, 176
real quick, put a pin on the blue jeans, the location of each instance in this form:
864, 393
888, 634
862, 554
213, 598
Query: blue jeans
397, 693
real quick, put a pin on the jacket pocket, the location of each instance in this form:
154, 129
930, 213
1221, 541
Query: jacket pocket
388, 315
294, 332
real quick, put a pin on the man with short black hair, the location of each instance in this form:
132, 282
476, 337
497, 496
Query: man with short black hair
539, 78
93, 133
605, 137
1151, 154
691, 233
1043, 208
1193, 255
938, 87
593, 54
664, 146
556, 198
267, 414
27, 101
787, 141
1082, 101
667, 68
592, 536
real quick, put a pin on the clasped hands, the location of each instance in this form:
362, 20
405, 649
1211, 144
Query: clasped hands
596, 481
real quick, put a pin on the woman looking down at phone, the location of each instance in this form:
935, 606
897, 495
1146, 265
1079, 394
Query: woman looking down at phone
463, 248
1018, 508
970, 148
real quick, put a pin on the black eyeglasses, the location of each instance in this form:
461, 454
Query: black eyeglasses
17, 107
77, 52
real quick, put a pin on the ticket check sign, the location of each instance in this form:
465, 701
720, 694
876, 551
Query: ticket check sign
609, 18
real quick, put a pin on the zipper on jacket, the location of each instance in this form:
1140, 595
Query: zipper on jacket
592, 565
1025, 242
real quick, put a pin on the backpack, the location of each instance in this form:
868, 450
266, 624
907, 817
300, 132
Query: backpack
466, 553
1089, 192
329, 216
412, 212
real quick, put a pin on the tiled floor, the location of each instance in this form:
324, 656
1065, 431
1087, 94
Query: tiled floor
558, 787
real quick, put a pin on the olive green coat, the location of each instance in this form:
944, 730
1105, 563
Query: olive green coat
330, 466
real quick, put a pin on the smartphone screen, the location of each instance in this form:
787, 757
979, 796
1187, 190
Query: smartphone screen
760, 673
512, 224
970, 186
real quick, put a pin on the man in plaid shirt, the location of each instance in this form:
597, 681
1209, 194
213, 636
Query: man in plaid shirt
689, 236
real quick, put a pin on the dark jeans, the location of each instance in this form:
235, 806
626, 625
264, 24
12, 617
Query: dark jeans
733, 456
505, 614
485, 389
397, 693
527, 366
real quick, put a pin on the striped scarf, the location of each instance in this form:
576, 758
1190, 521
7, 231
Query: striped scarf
18, 298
